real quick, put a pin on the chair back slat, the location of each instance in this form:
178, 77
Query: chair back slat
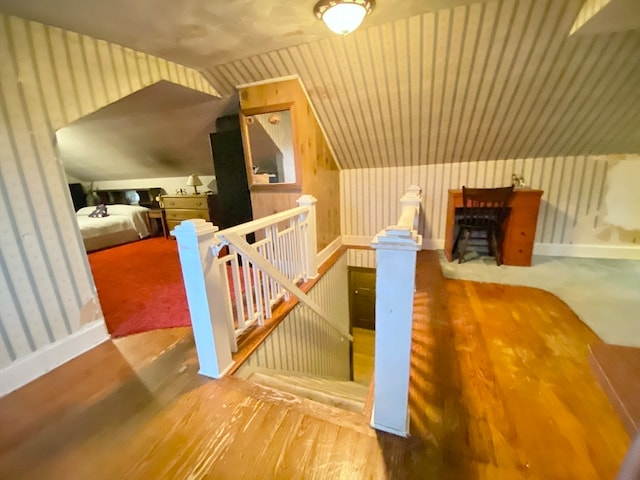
485, 206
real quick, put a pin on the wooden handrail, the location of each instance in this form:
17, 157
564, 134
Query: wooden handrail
261, 223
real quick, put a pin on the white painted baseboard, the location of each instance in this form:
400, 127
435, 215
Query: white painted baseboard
588, 251
549, 249
36, 364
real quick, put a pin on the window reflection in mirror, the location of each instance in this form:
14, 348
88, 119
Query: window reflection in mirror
271, 147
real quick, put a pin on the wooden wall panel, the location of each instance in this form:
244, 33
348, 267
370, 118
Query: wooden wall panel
320, 175
51, 77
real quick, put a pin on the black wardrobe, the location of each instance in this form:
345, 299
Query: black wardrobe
231, 176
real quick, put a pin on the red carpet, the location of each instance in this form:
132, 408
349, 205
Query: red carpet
140, 286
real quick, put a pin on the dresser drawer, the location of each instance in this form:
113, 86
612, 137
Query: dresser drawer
180, 214
191, 202
518, 253
171, 224
518, 245
178, 208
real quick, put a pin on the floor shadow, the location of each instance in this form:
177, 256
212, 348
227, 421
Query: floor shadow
439, 420
114, 396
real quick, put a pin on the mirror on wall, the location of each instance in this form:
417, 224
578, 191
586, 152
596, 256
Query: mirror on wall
271, 155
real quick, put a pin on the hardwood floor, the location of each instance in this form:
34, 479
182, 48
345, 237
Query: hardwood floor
363, 355
500, 389
617, 369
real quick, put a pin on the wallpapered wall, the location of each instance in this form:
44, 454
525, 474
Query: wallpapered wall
587, 207
51, 77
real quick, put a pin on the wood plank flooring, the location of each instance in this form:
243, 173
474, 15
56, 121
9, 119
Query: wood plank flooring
617, 369
500, 389
364, 344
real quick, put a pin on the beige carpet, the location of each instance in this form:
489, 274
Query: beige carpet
604, 293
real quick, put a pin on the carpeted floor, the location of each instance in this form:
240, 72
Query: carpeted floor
604, 293
140, 286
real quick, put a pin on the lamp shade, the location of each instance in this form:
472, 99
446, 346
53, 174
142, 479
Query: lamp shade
194, 181
343, 16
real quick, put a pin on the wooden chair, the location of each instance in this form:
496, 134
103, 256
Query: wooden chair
484, 211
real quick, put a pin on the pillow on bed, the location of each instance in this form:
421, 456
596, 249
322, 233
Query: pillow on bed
99, 212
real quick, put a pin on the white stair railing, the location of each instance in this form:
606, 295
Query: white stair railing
396, 249
231, 292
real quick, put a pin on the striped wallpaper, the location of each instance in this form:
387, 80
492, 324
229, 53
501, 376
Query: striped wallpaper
303, 342
466, 95
361, 257
573, 212
51, 77
485, 81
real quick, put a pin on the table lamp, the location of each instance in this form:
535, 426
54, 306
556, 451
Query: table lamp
194, 181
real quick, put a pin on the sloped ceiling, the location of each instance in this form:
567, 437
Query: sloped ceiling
160, 131
421, 82
492, 80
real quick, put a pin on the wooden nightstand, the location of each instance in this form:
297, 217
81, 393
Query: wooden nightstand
158, 214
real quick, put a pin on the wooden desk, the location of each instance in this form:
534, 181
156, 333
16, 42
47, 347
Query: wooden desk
520, 229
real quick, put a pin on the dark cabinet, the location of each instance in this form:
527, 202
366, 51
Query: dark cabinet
234, 200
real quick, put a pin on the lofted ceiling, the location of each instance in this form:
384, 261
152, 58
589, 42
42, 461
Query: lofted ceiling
160, 131
420, 82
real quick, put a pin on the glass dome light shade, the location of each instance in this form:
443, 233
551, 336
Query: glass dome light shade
344, 18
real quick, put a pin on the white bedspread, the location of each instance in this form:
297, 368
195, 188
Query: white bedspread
125, 223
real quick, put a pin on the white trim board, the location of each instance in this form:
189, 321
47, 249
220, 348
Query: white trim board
356, 240
365, 241
329, 250
549, 249
267, 81
36, 364
588, 251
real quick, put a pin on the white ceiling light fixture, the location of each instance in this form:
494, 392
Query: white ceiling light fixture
343, 16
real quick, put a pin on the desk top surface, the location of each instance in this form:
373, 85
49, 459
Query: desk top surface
524, 191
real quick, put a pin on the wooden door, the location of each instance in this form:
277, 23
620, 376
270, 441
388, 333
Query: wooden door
362, 297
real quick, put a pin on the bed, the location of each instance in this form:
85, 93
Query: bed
124, 223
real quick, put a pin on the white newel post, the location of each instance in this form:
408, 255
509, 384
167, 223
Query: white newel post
202, 280
412, 198
396, 249
311, 248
